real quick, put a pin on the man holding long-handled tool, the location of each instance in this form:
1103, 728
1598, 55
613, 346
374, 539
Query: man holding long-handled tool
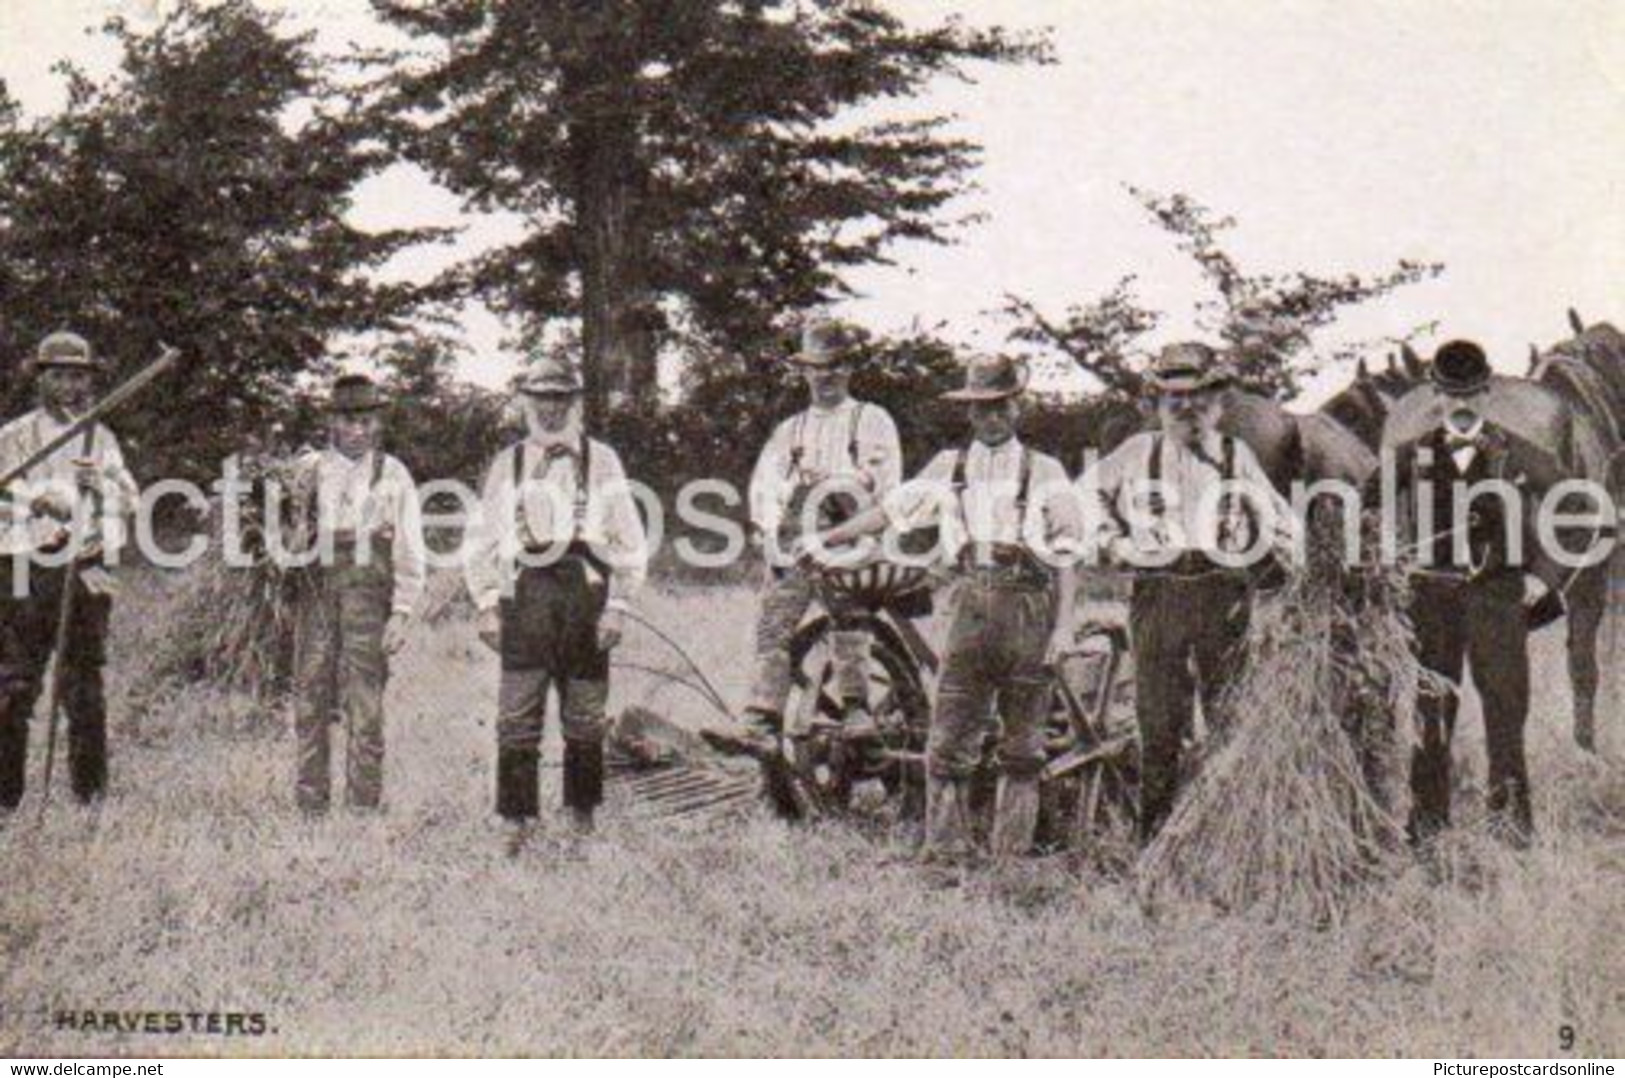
64, 517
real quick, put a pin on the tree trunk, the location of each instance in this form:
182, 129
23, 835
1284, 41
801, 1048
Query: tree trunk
618, 313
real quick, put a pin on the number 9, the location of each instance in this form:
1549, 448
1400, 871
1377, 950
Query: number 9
1565, 1037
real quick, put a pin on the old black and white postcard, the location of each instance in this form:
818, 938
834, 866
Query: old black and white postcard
770, 528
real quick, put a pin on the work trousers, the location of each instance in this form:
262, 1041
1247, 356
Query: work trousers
993, 669
1482, 622
28, 627
549, 631
1188, 633
341, 672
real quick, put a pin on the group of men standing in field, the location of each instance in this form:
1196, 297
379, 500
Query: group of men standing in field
556, 552
1010, 535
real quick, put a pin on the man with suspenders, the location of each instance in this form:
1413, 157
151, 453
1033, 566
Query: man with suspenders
840, 446
360, 506
1169, 504
1009, 526
553, 559
71, 508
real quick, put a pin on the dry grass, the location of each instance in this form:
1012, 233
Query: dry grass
1294, 814
198, 887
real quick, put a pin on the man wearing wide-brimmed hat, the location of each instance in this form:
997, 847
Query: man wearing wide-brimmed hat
553, 560
822, 464
1008, 530
362, 511
65, 521
1186, 508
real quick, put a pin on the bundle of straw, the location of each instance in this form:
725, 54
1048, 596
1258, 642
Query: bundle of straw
1293, 810
234, 626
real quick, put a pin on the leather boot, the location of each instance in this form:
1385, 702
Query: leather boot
1015, 817
583, 782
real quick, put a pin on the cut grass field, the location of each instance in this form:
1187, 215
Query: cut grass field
196, 887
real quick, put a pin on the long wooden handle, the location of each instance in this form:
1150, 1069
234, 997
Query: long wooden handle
59, 662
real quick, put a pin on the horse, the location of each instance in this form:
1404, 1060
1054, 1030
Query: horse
1579, 386
1588, 372
1290, 446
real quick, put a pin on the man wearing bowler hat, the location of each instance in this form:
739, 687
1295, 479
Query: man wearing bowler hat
1468, 595
821, 465
64, 521
553, 560
361, 509
1008, 527
1186, 508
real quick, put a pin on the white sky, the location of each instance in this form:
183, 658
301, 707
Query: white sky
1343, 136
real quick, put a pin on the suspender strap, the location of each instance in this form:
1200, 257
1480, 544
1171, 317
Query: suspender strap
793, 466
1023, 484
583, 480
798, 451
1021, 490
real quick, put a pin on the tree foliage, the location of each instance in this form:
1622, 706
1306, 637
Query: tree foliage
1264, 322
682, 161
198, 197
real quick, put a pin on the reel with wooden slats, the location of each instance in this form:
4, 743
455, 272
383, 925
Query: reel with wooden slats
654, 762
877, 586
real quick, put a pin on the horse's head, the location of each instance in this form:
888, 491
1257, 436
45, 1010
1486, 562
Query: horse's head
1363, 406
1599, 345
1588, 369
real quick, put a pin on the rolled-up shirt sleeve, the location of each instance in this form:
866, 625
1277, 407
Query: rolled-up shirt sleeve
1100, 490
1059, 513
920, 501
880, 453
767, 483
623, 543
409, 555
483, 538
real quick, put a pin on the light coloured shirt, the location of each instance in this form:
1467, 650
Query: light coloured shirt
985, 510
350, 503
105, 521
548, 511
1186, 512
817, 445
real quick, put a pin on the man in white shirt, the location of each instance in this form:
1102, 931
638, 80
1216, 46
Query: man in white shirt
360, 506
820, 466
1186, 508
64, 520
553, 560
1008, 525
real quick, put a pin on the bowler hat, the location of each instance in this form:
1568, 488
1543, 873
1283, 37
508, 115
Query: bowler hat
551, 376
990, 378
1460, 369
825, 343
354, 394
64, 349
1188, 367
